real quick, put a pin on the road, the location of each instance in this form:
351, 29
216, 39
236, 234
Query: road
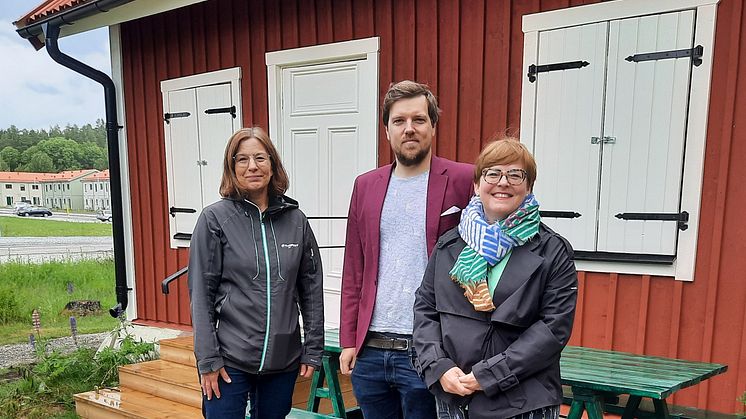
44, 249
59, 216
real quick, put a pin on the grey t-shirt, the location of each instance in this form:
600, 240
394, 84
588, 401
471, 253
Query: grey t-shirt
403, 254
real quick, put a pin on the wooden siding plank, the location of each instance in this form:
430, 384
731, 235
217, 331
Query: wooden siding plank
642, 316
342, 21
495, 75
576, 338
324, 21
448, 77
470, 87
307, 25
197, 17
227, 36
363, 22
257, 89
611, 309
289, 28
272, 25
426, 43
212, 30
404, 48
244, 59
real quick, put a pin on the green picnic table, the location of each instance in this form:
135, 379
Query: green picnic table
595, 375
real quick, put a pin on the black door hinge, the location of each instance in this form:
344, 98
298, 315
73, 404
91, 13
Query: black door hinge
534, 69
182, 236
174, 210
696, 54
168, 116
231, 110
682, 218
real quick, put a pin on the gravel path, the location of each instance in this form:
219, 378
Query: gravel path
18, 354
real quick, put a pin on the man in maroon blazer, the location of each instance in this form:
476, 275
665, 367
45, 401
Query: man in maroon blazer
397, 212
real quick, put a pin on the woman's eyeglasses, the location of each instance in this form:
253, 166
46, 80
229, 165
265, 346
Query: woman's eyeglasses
514, 176
242, 160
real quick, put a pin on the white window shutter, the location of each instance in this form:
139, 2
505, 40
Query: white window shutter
645, 112
184, 204
569, 107
215, 128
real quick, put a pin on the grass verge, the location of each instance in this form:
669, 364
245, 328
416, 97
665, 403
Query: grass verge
34, 227
25, 287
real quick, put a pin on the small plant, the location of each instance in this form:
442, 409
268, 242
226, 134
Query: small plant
49, 385
742, 399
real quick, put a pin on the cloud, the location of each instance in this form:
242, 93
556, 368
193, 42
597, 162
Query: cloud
36, 92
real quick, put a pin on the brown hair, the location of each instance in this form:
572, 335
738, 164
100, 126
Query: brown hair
229, 186
407, 89
506, 150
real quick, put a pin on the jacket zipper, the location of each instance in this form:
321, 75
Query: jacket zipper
269, 300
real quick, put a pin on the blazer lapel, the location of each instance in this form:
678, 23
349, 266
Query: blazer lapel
436, 192
375, 197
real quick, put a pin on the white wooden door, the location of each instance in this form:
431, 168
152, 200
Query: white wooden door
216, 116
328, 138
183, 161
645, 112
569, 106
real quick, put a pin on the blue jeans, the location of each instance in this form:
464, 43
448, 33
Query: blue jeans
271, 396
386, 386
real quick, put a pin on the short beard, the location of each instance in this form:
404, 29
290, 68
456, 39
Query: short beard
414, 160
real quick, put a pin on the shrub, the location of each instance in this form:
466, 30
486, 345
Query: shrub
10, 310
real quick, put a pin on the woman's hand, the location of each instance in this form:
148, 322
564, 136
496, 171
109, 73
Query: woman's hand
306, 371
209, 382
347, 360
470, 382
450, 381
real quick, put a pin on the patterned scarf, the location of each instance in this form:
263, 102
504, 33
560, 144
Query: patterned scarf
487, 244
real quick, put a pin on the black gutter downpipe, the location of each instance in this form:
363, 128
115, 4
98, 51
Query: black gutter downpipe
51, 35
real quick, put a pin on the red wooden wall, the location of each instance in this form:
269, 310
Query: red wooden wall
470, 52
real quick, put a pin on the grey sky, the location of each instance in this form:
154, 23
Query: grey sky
36, 92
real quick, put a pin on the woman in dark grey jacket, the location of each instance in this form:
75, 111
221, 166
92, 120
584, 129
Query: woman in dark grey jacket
497, 301
253, 264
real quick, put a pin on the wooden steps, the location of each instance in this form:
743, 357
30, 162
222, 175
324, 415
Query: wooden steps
169, 388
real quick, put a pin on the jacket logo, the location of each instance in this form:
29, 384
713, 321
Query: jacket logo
289, 245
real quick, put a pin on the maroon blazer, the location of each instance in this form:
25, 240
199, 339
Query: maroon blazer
449, 184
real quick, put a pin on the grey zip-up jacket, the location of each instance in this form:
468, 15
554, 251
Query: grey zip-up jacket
249, 275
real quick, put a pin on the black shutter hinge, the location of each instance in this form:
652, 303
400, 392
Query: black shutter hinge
231, 110
534, 69
559, 214
182, 236
682, 218
168, 116
696, 54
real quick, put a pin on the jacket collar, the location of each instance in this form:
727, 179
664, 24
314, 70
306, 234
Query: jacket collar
277, 204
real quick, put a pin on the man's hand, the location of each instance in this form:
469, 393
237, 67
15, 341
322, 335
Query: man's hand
450, 381
470, 382
210, 385
306, 370
347, 360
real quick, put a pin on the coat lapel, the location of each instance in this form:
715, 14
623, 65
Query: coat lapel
436, 192
521, 266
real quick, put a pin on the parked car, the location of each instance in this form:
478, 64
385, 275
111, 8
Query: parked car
104, 215
31, 211
20, 205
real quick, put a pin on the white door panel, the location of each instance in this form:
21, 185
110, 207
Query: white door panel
569, 106
214, 131
328, 139
646, 110
183, 161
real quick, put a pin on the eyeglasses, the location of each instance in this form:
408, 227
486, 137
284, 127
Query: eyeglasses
242, 160
514, 176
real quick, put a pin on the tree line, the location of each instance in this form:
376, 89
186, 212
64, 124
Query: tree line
54, 150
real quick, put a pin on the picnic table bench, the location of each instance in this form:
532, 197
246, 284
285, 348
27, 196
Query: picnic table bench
594, 375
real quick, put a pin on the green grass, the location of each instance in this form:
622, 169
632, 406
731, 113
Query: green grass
25, 287
35, 227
